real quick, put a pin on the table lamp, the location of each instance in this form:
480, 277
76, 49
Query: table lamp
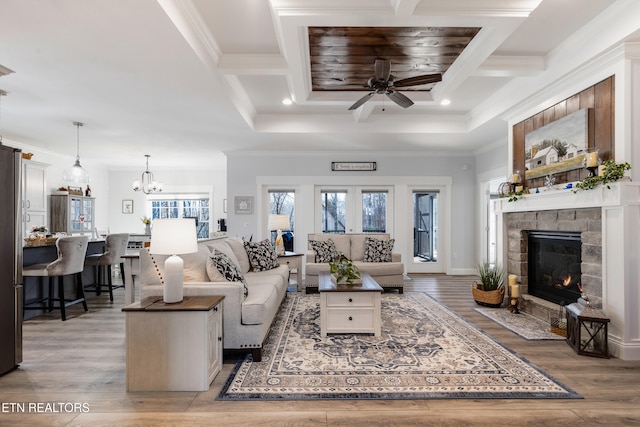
173, 237
279, 223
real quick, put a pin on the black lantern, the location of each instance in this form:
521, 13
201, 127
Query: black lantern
587, 330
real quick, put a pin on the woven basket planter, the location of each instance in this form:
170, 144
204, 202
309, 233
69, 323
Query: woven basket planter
487, 298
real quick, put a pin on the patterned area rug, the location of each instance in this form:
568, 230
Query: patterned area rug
525, 325
425, 352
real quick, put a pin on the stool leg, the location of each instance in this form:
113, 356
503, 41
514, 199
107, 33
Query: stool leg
50, 300
96, 278
80, 291
63, 312
122, 272
109, 282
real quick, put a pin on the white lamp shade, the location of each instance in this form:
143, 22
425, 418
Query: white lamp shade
174, 236
278, 222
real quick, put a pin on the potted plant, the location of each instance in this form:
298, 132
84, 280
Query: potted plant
490, 291
344, 271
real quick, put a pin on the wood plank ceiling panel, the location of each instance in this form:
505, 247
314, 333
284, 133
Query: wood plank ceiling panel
342, 58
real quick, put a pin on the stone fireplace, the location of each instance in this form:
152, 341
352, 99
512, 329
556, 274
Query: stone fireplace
606, 220
556, 254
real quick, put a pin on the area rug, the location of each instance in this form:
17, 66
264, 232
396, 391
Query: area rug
525, 325
425, 352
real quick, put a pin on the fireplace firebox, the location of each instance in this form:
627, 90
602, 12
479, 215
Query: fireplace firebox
554, 264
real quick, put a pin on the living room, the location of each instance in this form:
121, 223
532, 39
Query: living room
221, 132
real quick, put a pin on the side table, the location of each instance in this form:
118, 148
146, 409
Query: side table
173, 347
294, 261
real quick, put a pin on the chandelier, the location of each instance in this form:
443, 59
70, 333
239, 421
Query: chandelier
76, 174
147, 184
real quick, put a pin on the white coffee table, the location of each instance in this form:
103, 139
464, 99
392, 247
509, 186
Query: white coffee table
348, 309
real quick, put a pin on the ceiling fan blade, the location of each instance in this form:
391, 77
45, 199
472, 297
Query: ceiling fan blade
399, 99
419, 80
382, 69
362, 100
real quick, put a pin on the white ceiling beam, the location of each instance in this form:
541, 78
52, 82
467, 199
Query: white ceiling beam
363, 113
404, 7
254, 64
511, 66
188, 21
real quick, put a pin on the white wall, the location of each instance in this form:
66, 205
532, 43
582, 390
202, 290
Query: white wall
213, 182
247, 172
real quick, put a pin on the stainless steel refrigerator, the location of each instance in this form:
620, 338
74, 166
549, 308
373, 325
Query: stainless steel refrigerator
10, 258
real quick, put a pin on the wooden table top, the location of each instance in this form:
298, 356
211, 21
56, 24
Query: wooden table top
197, 303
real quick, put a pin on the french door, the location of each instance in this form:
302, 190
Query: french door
354, 209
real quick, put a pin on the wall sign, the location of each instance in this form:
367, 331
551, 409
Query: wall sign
353, 166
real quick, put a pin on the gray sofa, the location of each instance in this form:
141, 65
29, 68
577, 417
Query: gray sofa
389, 275
246, 320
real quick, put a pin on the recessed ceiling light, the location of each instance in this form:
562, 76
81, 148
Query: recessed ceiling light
445, 102
287, 101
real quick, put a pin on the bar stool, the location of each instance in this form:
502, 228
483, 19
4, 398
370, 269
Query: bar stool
116, 247
70, 261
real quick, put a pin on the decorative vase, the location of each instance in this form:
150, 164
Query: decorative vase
147, 229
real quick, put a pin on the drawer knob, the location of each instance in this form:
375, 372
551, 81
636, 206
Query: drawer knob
350, 299
350, 318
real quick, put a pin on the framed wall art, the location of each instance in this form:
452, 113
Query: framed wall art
127, 206
243, 204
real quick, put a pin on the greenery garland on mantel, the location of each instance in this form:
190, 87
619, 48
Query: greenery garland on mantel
612, 172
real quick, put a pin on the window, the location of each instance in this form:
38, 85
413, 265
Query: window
354, 209
183, 206
374, 212
333, 211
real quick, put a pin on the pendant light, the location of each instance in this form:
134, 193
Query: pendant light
147, 184
76, 174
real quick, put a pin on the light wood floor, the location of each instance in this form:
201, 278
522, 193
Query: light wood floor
82, 361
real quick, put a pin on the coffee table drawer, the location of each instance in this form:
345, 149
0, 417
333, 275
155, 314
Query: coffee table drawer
340, 320
351, 299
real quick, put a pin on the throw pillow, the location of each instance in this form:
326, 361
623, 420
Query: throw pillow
325, 250
376, 250
228, 269
262, 255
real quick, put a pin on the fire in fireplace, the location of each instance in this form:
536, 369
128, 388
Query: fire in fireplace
555, 259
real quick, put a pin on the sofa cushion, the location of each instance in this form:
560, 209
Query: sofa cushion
375, 269
237, 246
376, 250
358, 244
195, 265
229, 271
222, 246
262, 255
261, 299
325, 250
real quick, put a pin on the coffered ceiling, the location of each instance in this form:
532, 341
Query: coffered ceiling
172, 78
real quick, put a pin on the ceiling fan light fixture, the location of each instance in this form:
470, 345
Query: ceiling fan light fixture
76, 174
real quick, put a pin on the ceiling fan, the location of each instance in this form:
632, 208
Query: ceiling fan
385, 83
